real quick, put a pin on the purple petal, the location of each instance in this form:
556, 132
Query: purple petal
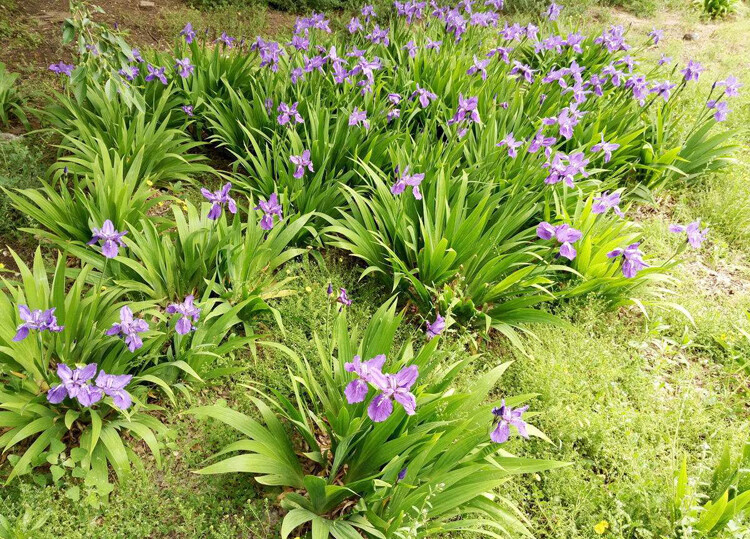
356, 391
501, 433
380, 408
408, 401
57, 394
21, 334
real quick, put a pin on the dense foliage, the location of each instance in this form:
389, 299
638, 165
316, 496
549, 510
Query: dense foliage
483, 174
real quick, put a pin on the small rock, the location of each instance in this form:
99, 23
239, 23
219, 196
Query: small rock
8, 137
145, 4
691, 36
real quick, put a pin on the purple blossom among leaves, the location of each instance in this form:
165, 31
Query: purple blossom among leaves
184, 68
692, 71
407, 180
113, 385
632, 259
269, 209
606, 147
301, 161
111, 238
188, 33
36, 320
511, 143
129, 328
359, 117
61, 68
218, 200
564, 234
505, 416
156, 73
189, 314
288, 113
607, 201
695, 236
343, 299
73, 384
435, 328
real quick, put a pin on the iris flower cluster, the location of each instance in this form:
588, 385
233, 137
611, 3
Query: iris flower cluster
76, 384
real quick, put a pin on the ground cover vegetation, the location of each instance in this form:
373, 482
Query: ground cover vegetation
403, 253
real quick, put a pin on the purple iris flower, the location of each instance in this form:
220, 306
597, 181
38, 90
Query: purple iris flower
632, 259
379, 36
129, 328
156, 73
467, 110
129, 73
405, 179
511, 143
433, 45
692, 71
188, 33
607, 201
393, 386
368, 12
354, 25
329, 290
343, 299
301, 161
227, 40
356, 390
503, 53
270, 208
540, 141
564, 234
113, 385
184, 68
189, 314
411, 48
424, 95
393, 114
505, 416
435, 328
731, 86
656, 35
73, 384
639, 86
722, 109
613, 39
606, 147
188, 109
218, 199
553, 11
112, 239
479, 66
135, 56
574, 41
300, 43
523, 70
662, 89
497, 5
288, 113
695, 236
61, 68
664, 60
402, 474
297, 74
37, 320
359, 117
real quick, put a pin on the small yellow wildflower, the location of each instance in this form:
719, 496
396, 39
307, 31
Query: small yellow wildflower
308, 289
149, 183
602, 527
